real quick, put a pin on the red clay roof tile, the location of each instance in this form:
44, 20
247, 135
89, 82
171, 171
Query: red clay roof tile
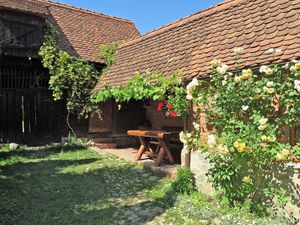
192, 42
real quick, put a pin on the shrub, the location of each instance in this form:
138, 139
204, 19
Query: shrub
185, 182
250, 112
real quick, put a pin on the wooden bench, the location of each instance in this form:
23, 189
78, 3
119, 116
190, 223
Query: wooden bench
160, 138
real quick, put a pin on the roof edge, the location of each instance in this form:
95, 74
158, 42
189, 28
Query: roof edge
71, 7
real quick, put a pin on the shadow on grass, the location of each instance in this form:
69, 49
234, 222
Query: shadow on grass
95, 189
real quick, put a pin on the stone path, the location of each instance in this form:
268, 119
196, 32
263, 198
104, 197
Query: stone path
128, 191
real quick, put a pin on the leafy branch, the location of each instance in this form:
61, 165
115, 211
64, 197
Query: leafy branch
71, 78
152, 86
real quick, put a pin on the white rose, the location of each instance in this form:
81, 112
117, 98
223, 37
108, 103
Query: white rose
211, 140
292, 68
270, 84
182, 137
188, 135
245, 107
269, 71
194, 83
263, 121
196, 126
257, 90
224, 82
222, 69
274, 51
262, 127
189, 97
237, 79
297, 85
270, 50
263, 69
238, 50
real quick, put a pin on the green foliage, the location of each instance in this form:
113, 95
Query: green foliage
185, 182
151, 86
71, 78
250, 112
107, 53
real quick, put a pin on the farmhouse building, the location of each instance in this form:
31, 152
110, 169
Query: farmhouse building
27, 109
190, 44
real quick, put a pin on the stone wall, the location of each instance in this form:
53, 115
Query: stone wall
287, 177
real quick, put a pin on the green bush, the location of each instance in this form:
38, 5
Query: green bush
185, 182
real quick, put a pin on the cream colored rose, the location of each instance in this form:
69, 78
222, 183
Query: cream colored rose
263, 121
269, 71
223, 150
222, 69
262, 127
279, 157
211, 141
237, 79
285, 153
214, 63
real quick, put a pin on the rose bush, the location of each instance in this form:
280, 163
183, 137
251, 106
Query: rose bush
250, 112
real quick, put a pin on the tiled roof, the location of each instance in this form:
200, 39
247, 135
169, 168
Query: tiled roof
191, 43
34, 7
82, 31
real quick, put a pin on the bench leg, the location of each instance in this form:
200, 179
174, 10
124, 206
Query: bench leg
167, 151
140, 153
160, 156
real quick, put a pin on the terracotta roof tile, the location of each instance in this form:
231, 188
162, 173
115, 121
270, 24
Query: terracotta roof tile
33, 7
192, 42
81, 31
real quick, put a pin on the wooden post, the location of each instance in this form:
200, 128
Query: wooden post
187, 127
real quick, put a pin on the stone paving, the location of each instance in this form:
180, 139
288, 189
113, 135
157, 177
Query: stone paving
128, 192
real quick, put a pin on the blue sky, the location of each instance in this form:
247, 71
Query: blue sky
146, 14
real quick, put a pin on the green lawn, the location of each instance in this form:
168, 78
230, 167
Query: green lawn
78, 186
74, 186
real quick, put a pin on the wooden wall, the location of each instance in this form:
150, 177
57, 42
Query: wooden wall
158, 120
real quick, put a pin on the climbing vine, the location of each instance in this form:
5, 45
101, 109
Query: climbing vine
71, 78
168, 90
250, 112
107, 53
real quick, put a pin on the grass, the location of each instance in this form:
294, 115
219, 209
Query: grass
72, 186
76, 185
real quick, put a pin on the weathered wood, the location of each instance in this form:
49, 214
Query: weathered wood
20, 34
140, 153
148, 133
167, 150
145, 140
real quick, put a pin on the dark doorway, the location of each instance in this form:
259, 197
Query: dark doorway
28, 113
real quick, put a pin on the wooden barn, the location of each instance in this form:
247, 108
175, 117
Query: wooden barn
28, 113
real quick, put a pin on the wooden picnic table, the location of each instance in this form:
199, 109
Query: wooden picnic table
146, 137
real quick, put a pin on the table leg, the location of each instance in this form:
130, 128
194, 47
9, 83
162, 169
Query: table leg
160, 156
140, 153
167, 150
145, 146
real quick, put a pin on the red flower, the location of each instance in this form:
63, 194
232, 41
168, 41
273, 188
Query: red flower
160, 105
173, 113
170, 106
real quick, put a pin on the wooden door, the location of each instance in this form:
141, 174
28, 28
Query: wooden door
105, 123
30, 116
